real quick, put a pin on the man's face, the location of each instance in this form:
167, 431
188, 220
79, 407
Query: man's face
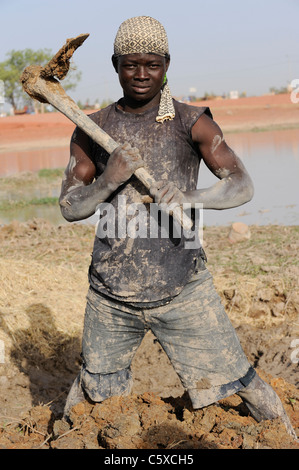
141, 75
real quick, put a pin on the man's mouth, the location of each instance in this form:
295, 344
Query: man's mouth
140, 89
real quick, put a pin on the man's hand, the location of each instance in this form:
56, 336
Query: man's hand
121, 165
165, 192
81, 191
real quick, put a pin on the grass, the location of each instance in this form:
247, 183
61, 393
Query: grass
51, 173
43, 177
275, 247
10, 205
30, 189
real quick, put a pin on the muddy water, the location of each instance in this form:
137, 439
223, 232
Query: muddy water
272, 159
33, 160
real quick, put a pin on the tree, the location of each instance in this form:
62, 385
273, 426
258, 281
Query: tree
278, 91
12, 68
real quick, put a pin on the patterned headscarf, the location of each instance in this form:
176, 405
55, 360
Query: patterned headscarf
145, 35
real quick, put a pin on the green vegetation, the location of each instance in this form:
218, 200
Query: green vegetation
30, 189
12, 68
269, 250
9, 205
51, 173
278, 91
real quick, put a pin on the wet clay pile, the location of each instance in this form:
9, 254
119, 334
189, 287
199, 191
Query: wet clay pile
150, 422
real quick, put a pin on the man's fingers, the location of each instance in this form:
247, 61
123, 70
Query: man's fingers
122, 163
163, 192
132, 151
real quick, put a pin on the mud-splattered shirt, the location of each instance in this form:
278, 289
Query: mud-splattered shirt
143, 268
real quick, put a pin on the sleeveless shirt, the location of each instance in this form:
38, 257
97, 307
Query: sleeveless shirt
145, 269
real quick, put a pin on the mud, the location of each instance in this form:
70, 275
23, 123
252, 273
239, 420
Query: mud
42, 301
59, 65
148, 421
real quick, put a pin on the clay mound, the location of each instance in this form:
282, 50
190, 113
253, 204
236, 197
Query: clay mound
148, 421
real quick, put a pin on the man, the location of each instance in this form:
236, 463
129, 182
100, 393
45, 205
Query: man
156, 282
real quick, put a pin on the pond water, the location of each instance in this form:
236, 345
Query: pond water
33, 160
271, 158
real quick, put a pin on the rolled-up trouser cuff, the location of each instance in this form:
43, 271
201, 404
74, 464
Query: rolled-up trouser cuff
99, 387
248, 377
201, 398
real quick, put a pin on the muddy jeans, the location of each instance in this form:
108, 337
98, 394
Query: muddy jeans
193, 329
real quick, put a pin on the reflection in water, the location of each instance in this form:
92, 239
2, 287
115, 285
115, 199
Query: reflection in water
33, 160
272, 159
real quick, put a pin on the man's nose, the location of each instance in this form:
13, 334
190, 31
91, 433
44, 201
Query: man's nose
141, 73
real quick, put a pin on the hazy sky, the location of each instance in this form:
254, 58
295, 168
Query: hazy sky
215, 45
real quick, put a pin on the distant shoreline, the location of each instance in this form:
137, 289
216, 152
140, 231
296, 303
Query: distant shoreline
265, 128
252, 114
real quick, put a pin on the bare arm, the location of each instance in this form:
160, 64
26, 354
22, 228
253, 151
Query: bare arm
80, 193
234, 187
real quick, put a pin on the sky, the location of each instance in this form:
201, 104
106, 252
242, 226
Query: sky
216, 46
